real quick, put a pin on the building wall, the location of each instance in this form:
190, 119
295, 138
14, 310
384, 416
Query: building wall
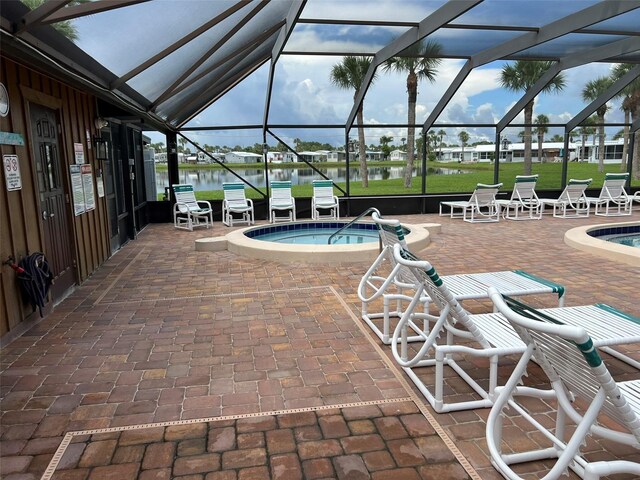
21, 227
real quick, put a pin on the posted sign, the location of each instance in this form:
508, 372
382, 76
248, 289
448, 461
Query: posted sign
12, 172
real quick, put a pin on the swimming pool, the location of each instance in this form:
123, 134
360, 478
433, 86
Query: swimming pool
315, 233
242, 242
610, 241
628, 235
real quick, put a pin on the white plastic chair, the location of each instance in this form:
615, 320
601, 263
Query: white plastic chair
636, 197
188, 212
481, 207
281, 200
487, 336
324, 200
581, 387
390, 285
524, 203
236, 202
613, 198
572, 202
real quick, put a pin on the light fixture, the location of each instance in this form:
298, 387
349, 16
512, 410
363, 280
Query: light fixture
101, 149
100, 123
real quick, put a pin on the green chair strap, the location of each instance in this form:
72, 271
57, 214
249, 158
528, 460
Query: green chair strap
555, 286
233, 186
615, 311
616, 176
322, 183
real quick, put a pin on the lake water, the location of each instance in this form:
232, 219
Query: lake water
210, 179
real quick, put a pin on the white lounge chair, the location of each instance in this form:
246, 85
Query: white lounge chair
613, 198
189, 212
324, 200
481, 207
572, 202
281, 200
482, 336
236, 202
389, 286
581, 387
636, 197
524, 203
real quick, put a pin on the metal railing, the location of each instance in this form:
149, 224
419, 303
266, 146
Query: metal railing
344, 227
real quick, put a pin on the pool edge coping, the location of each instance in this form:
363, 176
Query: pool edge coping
238, 243
580, 239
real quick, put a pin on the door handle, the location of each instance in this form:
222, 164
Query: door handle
51, 215
46, 215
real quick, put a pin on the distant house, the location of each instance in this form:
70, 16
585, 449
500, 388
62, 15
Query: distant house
242, 157
398, 155
333, 155
311, 157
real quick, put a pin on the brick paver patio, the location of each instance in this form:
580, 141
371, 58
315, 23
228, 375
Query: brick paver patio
226, 346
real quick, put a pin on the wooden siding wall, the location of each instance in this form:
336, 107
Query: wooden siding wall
21, 230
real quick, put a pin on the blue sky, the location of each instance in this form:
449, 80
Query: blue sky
302, 90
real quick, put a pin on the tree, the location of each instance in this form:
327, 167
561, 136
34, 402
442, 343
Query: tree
441, 135
384, 143
182, 143
585, 131
65, 27
557, 138
349, 74
541, 128
592, 90
619, 134
464, 138
521, 76
631, 107
419, 61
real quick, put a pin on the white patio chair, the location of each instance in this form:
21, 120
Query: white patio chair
524, 203
481, 207
391, 284
636, 197
572, 202
189, 212
487, 336
236, 202
581, 387
281, 200
613, 198
324, 200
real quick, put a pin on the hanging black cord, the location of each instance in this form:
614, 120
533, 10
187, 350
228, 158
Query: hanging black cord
36, 279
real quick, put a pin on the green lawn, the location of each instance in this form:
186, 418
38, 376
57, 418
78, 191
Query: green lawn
550, 174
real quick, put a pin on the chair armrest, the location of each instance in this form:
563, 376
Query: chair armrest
250, 202
206, 203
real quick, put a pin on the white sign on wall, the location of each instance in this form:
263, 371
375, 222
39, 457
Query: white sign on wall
78, 151
12, 172
77, 189
87, 185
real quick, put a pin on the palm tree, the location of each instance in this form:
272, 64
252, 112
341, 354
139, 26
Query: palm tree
541, 128
65, 27
521, 76
557, 138
384, 143
418, 61
441, 134
592, 90
631, 107
464, 138
349, 74
585, 131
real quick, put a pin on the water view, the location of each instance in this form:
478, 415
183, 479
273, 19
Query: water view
210, 179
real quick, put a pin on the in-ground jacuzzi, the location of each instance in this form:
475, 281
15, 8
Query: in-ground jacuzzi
361, 244
597, 239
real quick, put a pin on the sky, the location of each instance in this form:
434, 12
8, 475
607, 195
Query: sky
303, 92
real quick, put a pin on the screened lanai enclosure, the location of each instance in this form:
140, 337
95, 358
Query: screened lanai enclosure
414, 99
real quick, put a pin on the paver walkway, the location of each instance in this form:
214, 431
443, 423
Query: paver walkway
162, 333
